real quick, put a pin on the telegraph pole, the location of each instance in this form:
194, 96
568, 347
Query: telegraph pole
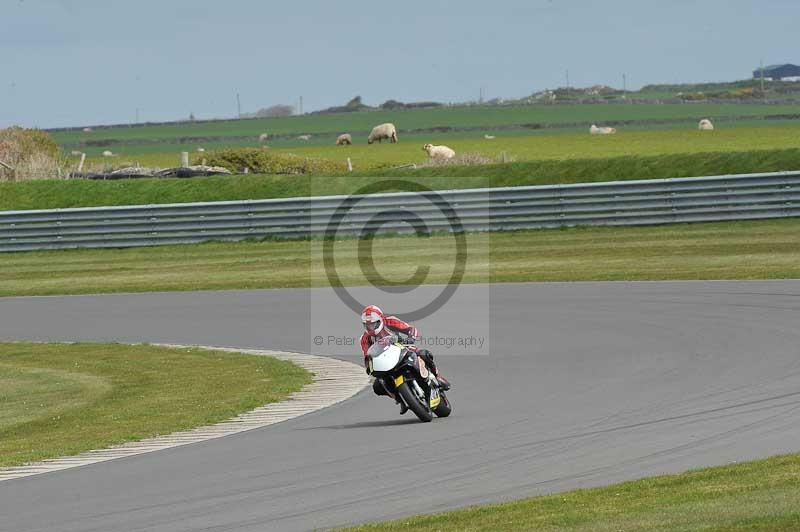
238, 106
567, 78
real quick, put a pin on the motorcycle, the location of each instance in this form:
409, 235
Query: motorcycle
399, 363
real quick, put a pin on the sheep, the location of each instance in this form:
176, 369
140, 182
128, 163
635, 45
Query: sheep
87, 130
383, 131
201, 150
263, 137
594, 130
489, 137
439, 152
344, 139
76, 153
304, 137
108, 153
705, 125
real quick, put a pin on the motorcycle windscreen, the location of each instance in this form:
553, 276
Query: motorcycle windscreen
385, 359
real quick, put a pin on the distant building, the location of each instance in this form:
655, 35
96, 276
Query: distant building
778, 72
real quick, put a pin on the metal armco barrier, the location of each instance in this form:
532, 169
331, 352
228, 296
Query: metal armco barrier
658, 201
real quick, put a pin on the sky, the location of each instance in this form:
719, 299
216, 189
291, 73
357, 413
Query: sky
89, 62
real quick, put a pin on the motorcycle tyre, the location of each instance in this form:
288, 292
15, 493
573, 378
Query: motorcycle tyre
443, 409
420, 410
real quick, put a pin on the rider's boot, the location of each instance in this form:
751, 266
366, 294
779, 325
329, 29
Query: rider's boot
445, 384
396, 397
403, 406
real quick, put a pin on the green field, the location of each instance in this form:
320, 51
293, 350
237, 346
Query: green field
157, 143
730, 250
64, 399
455, 117
517, 146
572, 145
755, 496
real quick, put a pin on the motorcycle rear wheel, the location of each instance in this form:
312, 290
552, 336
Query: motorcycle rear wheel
420, 409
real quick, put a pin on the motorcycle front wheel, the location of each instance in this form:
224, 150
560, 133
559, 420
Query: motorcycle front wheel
443, 409
415, 404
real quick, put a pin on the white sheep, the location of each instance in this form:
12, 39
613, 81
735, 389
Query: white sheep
201, 150
439, 152
383, 131
705, 125
108, 153
304, 137
263, 137
344, 139
489, 137
594, 130
87, 130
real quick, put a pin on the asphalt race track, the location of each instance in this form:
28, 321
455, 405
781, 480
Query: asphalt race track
585, 384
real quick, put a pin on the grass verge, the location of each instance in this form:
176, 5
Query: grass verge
768, 249
759, 495
63, 399
52, 194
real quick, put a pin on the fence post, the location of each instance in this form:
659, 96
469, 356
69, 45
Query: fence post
349, 165
80, 164
184, 159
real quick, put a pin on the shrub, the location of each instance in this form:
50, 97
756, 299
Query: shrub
460, 159
271, 112
261, 161
392, 105
32, 153
694, 96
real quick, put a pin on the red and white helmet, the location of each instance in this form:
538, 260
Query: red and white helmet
372, 318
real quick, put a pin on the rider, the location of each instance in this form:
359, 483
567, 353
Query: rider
378, 325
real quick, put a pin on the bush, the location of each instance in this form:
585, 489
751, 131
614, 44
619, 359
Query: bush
392, 105
262, 161
464, 159
271, 112
32, 153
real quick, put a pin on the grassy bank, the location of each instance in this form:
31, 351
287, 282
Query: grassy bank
729, 250
63, 399
760, 495
82, 193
